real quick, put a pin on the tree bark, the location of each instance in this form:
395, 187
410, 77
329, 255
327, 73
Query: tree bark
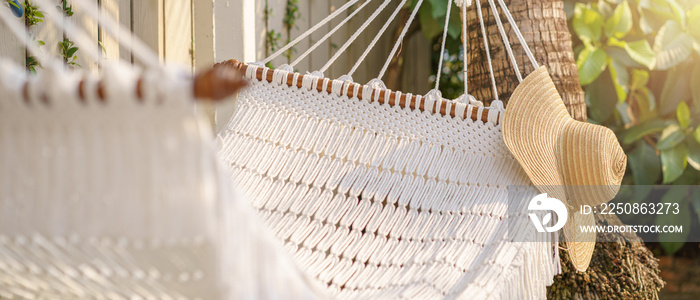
543, 24
625, 269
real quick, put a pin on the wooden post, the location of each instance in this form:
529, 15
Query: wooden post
236, 34
147, 19
12, 47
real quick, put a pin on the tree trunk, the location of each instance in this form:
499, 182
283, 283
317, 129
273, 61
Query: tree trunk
543, 24
619, 270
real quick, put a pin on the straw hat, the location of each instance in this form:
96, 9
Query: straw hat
576, 162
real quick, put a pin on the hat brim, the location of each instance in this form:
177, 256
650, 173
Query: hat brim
532, 125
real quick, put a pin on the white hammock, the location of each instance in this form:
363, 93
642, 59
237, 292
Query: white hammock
379, 194
122, 197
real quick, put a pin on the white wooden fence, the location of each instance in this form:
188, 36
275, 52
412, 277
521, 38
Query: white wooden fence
198, 33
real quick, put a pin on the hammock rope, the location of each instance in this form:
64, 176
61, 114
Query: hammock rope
516, 29
372, 190
465, 59
376, 38
506, 42
107, 193
355, 35
442, 47
488, 53
310, 31
329, 34
400, 39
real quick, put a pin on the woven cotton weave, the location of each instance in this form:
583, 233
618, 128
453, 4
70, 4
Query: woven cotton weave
123, 198
379, 201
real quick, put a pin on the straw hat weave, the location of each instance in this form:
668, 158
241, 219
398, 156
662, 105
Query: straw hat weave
576, 162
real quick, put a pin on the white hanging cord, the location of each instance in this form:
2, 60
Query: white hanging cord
506, 42
400, 39
442, 49
309, 31
376, 38
518, 34
464, 45
137, 47
328, 35
355, 35
486, 46
76, 33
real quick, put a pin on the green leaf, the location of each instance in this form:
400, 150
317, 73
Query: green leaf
672, 242
694, 21
641, 52
695, 201
637, 132
439, 8
645, 164
675, 90
620, 79
600, 99
678, 11
640, 78
649, 21
670, 137
454, 30
588, 23
671, 45
604, 8
695, 88
40, 43
683, 115
623, 111
620, 22
696, 134
71, 51
621, 56
645, 104
590, 63
673, 162
428, 24
693, 153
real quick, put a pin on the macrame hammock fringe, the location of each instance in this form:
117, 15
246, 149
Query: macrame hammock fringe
370, 193
381, 194
106, 194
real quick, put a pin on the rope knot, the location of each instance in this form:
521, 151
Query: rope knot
496, 105
318, 74
286, 67
469, 100
431, 97
345, 78
377, 84
459, 3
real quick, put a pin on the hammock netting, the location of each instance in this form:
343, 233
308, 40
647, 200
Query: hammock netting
379, 201
334, 190
123, 198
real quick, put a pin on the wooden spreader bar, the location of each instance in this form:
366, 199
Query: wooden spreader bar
384, 95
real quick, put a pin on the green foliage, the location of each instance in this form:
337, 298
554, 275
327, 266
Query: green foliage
291, 15
65, 8
272, 37
31, 64
649, 95
431, 17
32, 14
32, 17
68, 50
